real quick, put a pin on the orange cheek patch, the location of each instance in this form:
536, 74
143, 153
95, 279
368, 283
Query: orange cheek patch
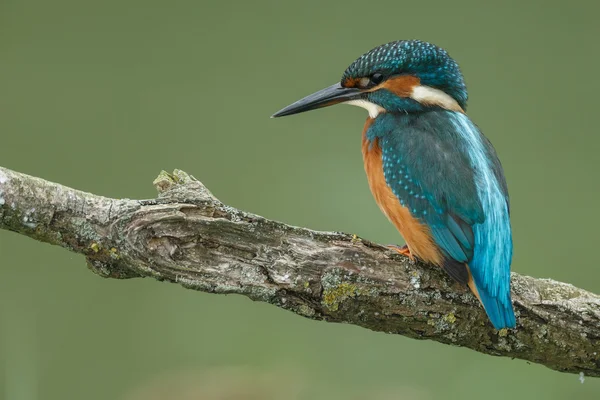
401, 85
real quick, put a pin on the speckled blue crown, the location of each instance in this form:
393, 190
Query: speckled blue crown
430, 63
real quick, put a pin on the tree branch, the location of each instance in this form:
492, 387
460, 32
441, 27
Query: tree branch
189, 237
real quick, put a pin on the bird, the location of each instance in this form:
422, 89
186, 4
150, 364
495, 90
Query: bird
432, 172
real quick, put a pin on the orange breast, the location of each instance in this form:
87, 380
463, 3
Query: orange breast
416, 234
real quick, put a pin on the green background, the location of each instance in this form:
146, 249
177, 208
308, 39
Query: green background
102, 95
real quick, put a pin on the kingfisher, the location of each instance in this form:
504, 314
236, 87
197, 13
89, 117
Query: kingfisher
432, 172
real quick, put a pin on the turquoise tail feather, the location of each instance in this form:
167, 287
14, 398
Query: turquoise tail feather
500, 313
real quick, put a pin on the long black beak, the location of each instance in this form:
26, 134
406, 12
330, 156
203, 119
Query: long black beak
334, 94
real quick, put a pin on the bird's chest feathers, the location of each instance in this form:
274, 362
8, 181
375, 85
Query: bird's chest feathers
374, 169
416, 234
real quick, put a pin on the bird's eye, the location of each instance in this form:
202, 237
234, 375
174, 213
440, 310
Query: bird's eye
376, 79
370, 81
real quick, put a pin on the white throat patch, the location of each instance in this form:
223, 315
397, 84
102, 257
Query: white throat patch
373, 109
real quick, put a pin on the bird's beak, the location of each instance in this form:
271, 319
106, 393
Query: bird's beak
334, 94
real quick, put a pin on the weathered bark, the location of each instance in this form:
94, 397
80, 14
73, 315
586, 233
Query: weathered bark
188, 237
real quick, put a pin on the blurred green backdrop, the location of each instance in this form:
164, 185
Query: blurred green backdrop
103, 95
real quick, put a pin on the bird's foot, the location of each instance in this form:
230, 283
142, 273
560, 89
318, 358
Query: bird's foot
404, 250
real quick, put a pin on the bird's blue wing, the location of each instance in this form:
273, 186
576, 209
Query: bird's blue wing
432, 176
447, 174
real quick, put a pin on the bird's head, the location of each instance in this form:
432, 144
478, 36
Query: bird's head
402, 76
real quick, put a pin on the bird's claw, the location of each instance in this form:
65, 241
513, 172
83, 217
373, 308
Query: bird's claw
404, 250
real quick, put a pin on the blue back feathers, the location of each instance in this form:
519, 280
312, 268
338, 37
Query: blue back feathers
490, 265
431, 64
443, 169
